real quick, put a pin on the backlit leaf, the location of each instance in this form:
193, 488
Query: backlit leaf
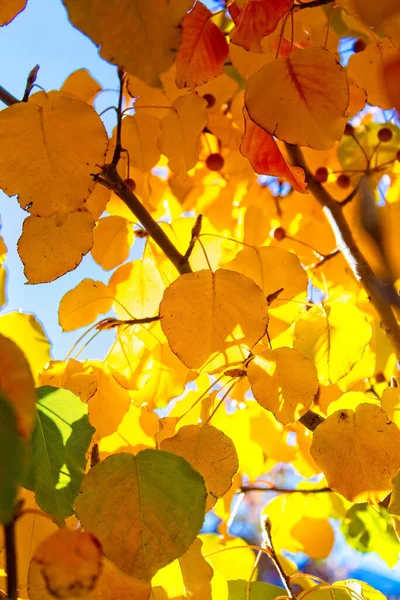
11, 459
9, 9
17, 386
70, 375
59, 444
207, 315
390, 403
83, 304
129, 35
210, 452
258, 590
70, 563
367, 443
284, 382
232, 564
58, 141
27, 332
265, 157
158, 521
49, 247
180, 132
333, 337
82, 85
374, 13
203, 49
139, 137
255, 20
307, 102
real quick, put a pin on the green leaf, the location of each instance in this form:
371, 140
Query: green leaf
12, 453
59, 443
146, 510
258, 590
368, 529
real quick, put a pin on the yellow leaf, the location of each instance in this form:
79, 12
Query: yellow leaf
9, 9
137, 288
139, 137
207, 315
232, 563
49, 247
180, 132
83, 304
3, 275
190, 575
27, 332
358, 99
358, 452
17, 385
3, 250
394, 504
366, 68
210, 452
333, 337
301, 99
70, 375
136, 431
284, 382
351, 400
129, 35
80, 84
109, 403
97, 201
70, 563
112, 241
112, 582
390, 403
58, 142
374, 13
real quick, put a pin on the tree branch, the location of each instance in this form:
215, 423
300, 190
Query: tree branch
268, 545
6, 97
312, 4
254, 488
118, 146
375, 289
11, 560
110, 178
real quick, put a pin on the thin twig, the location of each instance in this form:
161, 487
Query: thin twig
30, 82
254, 488
196, 230
111, 323
11, 560
268, 545
6, 97
325, 258
312, 4
118, 146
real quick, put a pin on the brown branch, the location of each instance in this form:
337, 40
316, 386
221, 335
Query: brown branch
325, 258
118, 146
30, 83
196, 230
6, 97
375, 289
11, 560
110, 178
254, 488
111, 323
268, 545
312, 4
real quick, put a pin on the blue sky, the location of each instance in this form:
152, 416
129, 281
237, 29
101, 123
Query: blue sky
42, 35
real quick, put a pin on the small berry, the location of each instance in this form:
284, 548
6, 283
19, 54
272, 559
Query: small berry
210, 100
380, 378
214, 162
349, 129
131, 184
359, 45
279, 234
385, 134
321, 174
343, 181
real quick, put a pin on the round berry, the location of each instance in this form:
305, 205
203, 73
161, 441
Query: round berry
385, 134
279, 234
343, 181
210, 100
359, 45
321, 174
349, 129
214, 162
131, 184
380, 378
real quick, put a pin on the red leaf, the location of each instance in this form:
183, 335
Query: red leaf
260, 148
203, 49
256, 20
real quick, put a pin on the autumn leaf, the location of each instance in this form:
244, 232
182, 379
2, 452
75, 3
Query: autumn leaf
70, 375
63, 141
210, 452
140, 135
203, 49
307, 102
129, 35
49, 247
265, 157
375, 14
159, 521
232, 312
255, 20
9, 10
80, 84
83, 304
357, 451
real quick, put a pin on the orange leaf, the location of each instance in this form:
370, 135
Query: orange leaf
203, 49
9, 10
265, 157
301, 99
256, 20
391, 73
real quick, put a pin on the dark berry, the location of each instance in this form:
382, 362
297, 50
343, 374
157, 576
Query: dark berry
359, 45
279, 234
131, 184
349, 129
321, 174
214, 162
343, 181
210, 100
385, 134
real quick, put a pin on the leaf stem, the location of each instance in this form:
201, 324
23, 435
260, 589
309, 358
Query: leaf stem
268, 545
254, 488
11, 560
118, 146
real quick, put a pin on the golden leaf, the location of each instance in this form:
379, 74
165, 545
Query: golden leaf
112, 241
83, 304
80, 84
